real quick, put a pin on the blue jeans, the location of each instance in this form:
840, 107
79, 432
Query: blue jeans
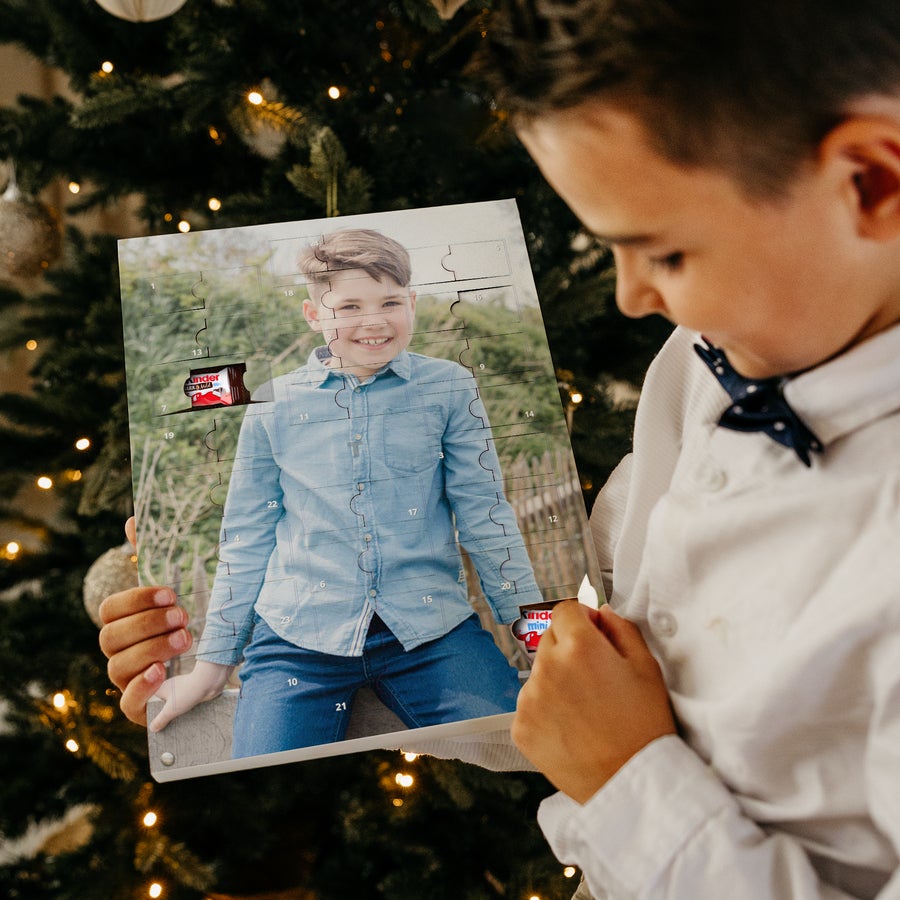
291, 697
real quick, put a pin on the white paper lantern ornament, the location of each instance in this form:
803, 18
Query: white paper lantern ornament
142, 10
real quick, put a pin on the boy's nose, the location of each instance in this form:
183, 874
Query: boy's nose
635, 295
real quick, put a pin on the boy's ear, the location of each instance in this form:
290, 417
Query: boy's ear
868, 148
311, 314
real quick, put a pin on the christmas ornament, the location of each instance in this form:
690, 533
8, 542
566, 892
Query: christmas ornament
29, 232
114, 571
141, 10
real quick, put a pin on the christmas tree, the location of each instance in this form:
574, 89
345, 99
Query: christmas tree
234, 112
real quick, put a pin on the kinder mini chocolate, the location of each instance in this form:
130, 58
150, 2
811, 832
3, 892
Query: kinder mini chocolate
217, 386
534, 622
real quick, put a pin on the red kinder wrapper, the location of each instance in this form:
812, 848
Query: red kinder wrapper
217, 386
534, 622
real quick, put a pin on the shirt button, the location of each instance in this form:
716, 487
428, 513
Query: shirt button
372, 593
357, 437
368, 537
712, 479
360, 485
663, 623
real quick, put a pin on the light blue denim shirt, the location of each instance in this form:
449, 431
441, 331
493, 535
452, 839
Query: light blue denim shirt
347, 498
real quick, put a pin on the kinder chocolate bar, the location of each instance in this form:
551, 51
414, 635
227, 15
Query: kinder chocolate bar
217, 386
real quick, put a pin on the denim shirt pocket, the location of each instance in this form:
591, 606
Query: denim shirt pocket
411, 438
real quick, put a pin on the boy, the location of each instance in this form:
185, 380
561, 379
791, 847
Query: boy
338, 558
743, 161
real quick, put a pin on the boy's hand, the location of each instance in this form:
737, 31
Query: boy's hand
184, 692
595, 697
142, 630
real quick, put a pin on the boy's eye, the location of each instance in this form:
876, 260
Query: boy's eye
671, 262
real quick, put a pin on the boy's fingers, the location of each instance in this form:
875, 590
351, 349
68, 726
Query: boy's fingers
128, 664
135, 600
569, 617
139, 690
623, 634
131, 532
139, 627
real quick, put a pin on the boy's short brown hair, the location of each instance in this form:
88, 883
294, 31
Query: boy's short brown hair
355, 248
747, 86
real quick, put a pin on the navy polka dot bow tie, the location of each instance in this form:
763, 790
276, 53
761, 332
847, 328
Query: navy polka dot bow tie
759, 405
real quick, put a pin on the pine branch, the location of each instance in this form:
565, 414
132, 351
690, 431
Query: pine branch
185, 866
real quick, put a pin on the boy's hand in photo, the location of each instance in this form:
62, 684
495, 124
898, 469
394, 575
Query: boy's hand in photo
184, 692
595, 697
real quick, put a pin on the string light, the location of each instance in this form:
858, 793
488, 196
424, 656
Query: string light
74, 187
31, 345
45, 483
168, 217
404, 780
82, 443
397, 801
410, 757
576, 397
11, 550
214, 203
72, 745
59, 700
155, 890
150, 819
106, 67
184, 226
256, 98
334, 92
569, 871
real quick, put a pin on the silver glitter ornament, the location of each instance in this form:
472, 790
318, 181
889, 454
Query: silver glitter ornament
29, 232
113, 571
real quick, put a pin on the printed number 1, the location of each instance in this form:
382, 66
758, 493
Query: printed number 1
340, 707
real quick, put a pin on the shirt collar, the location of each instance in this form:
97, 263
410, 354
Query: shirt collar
852, 390
400, 365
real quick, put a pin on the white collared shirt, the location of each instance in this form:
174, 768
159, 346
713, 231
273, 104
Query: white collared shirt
770, 593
